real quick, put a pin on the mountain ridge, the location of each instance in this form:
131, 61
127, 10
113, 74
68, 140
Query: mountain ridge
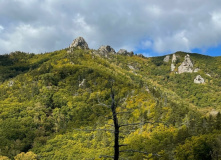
53, 105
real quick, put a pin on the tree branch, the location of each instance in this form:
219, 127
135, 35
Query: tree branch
105, 156
90, 130
122, 145
155, 154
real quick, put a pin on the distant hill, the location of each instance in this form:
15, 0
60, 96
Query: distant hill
54, 105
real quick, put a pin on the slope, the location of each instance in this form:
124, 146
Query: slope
57, 106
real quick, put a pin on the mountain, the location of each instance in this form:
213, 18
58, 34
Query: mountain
57, 105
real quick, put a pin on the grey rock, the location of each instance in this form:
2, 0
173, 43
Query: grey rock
174, 58
147, 89
140, 55
11, 83
131, 67
104, 50
199, 80
208, 75
82, 84
125, 52
79, 43
186, 66
166, 59
172, 67
213, 112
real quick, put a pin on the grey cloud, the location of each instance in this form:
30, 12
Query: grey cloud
161, 26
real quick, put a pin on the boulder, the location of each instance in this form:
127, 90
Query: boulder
10, 83
166, 59
199, 80
186, 66
79, 43
125, 52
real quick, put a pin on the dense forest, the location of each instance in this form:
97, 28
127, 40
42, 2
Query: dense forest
56, 106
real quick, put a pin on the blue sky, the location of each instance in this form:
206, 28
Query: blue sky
152, 27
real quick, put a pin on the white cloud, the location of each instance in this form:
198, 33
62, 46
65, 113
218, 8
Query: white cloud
146, 44
163, 26
28, 38
1, 28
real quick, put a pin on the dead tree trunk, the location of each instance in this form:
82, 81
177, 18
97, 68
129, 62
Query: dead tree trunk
116, 128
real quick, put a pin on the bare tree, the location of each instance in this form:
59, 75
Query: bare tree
116, 127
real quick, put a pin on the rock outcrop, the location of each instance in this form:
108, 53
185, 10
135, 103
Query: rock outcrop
11, 83
104, 50
140, 55
174, 58
125, 52
172, 67
166, 59
79, 43
186, 66
213, 112
199, 80
131, 67
82, 84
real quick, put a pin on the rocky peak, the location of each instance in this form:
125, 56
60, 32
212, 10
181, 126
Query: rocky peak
106, 49
125, 52
79, 43
199, 80
186, 66
167, 58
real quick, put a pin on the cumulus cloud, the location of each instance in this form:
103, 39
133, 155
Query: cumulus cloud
160, 26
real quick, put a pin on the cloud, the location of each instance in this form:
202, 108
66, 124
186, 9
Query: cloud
1, 28
159, 26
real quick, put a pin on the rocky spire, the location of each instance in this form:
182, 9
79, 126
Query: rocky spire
174, 59
186, 66
79, 43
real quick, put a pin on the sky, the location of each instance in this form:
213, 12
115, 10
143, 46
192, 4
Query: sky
150, 27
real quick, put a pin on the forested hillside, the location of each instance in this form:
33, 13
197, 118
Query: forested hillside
56, 106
